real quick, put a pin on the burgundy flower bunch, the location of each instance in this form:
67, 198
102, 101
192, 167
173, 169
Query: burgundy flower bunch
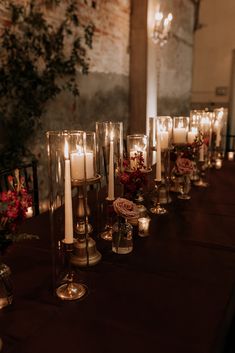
14, 203
133, 178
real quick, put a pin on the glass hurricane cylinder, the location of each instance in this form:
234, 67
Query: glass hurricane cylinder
60, 144
219, 129
109, 153
137, 147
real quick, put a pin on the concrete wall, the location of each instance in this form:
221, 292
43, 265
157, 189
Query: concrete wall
175, 60
104, 92
214, 43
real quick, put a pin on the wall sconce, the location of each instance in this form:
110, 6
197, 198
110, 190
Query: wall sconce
161, 29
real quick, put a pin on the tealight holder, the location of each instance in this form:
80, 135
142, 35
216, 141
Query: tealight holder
110, 163
65, 283
143, 226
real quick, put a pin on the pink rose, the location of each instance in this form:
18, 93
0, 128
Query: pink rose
125, 208
184, 165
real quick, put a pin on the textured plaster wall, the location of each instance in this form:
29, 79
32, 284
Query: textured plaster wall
174, 60
104, 92
214, 43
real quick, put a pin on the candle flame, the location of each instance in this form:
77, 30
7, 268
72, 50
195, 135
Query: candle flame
66, 150
170, 17
158, 16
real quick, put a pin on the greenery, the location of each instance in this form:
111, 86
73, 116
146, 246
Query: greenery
38, 60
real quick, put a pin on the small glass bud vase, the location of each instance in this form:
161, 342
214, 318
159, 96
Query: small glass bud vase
122, 242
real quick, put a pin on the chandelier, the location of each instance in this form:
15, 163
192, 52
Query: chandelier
161, 29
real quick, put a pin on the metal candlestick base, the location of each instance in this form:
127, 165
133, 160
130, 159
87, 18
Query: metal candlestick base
157, 209
85, 253
107, 234
70, 290
201, 183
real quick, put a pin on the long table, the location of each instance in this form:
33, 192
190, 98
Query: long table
173, 294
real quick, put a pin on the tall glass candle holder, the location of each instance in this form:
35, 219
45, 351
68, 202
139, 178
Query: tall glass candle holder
109, 153
137, 147
61, 216
162, 178
180, 130
205, 132
110, 162
219, 132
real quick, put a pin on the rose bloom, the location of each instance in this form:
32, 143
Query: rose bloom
125, 208
184, 165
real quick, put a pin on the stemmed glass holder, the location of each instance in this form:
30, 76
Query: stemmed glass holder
107, 234
157, 209
201, 182
70, 289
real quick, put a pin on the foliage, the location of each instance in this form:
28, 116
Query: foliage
38, 60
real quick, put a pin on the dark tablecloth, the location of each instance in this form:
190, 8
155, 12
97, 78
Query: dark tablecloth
173, 293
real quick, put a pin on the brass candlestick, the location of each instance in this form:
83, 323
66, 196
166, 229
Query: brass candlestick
85, 251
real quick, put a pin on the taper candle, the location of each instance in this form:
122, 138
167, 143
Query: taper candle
68, 230
111, 170
159, 162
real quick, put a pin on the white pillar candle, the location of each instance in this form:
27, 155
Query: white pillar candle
192, 135
230, 156
159, 162
77, 165
68, 229
179, 135
111, 170
164, 139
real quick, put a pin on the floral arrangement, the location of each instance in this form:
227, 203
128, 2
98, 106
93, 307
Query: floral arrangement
126, 209
185, 155
14, 203
133, 178
184, 166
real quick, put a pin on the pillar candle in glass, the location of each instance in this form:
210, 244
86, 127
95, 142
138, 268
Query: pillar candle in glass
180, 129
220, 130
82, 155
109, 153
164, 137
137, 146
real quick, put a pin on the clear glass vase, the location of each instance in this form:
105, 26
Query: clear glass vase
185, 186
122, 242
